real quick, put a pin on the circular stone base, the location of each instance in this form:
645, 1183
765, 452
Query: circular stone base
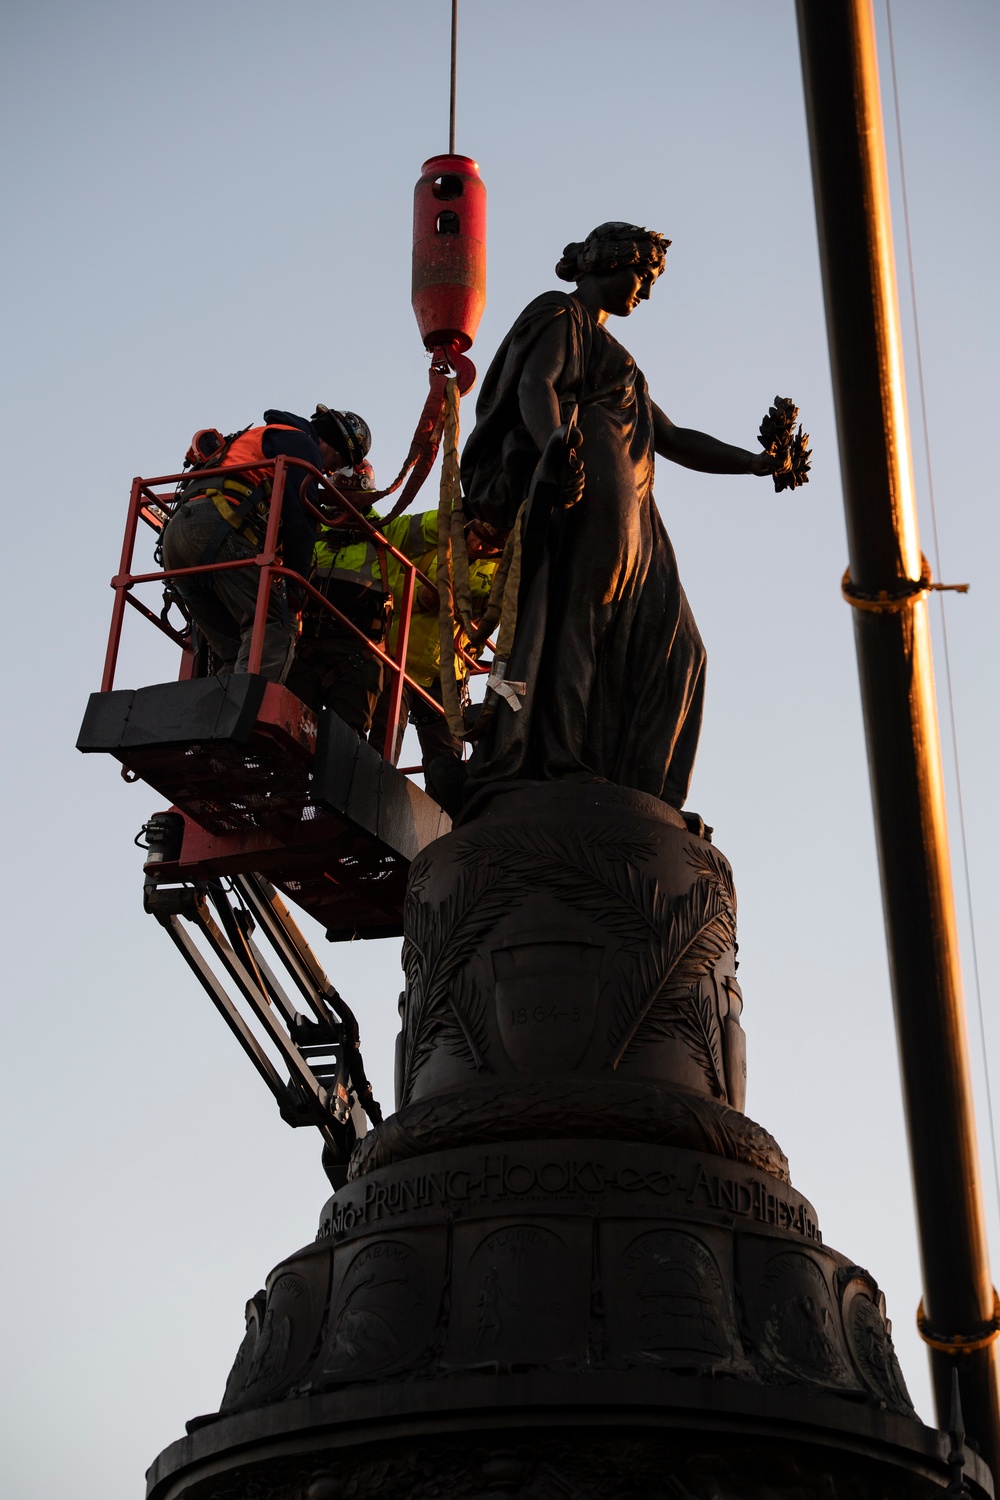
562, 1438
557, 1256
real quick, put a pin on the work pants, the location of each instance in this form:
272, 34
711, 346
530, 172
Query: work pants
223, 604
432, 729
335, 671
333, 668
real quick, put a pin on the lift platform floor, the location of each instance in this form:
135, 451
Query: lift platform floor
265, 786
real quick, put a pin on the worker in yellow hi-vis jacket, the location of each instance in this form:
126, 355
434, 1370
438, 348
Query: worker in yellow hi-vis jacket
332, 667
423, 651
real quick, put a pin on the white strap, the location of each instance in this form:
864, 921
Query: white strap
504, 689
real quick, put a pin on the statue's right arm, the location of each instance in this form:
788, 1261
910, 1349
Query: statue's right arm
699, 450
537, 390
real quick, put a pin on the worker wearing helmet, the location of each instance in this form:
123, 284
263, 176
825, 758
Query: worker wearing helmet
423, 650
223, 519
344, 431
333, 668
364, 580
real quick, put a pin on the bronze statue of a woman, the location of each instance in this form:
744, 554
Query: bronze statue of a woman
605, 643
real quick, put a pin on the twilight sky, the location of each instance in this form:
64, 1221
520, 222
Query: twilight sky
209, 214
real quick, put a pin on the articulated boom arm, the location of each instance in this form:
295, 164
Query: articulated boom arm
220, 928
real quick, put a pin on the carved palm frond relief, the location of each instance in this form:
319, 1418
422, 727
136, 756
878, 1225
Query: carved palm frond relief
711, 866
664, 996
658, 991
442, 1006
469, 1002
665, 949
695, 1020
458, 1026
586, 875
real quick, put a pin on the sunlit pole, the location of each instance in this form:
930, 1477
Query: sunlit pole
887, 584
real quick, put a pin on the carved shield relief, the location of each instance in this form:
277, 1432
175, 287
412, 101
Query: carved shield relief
386, 1307
521, 1293
282, 1331
669, 1301
241, 1364
869, 1339
794, 1315
546, 999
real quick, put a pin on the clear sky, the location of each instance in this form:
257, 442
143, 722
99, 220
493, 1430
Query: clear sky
208, 213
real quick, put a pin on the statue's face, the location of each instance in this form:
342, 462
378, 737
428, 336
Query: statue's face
622, 291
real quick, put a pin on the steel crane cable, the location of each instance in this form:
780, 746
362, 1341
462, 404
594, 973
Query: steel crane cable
427, 437
944, 623
454, 77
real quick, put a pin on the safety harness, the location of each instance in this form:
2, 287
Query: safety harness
240, 505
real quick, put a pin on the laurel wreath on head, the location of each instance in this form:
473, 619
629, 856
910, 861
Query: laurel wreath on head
779, 440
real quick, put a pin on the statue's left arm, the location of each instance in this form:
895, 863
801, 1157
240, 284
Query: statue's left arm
697, 450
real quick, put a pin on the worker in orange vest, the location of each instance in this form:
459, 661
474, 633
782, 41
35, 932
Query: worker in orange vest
224, 519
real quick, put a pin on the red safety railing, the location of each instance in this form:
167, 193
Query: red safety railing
156, 509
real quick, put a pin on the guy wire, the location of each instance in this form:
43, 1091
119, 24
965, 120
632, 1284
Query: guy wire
944, 619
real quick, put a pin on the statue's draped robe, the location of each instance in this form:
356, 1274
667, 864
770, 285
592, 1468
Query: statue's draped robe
605, 639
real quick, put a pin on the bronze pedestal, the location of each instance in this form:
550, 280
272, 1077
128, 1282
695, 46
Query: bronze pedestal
569, 1265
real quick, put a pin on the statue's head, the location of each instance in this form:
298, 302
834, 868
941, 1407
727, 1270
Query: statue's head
611, 247
624, 259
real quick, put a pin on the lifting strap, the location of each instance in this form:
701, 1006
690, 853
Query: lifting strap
454, 591
449, 615
423, 448
504, 596
502, 606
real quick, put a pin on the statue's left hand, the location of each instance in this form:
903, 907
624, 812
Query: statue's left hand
561, 464
573, 492
575, 478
